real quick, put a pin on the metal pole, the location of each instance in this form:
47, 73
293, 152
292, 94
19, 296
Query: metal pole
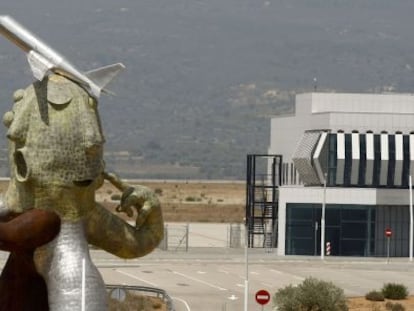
388, 250
246, 279
186, 236
411, 217
323, 220
83, 284
315, 248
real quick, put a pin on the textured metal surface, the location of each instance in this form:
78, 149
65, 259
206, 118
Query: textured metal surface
60, 263
42, 59
369, 171
55, 153
302, 158
340, 158
320, 157
384, 160
355, 142
399, 158
52, 146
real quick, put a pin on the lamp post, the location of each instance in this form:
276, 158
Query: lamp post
246, 254
411, 217
323, 219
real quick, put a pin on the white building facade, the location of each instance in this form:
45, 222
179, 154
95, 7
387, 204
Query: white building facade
362, 146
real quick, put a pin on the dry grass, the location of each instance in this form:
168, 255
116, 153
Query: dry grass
187, 201
134, 302
361, 304
192, 201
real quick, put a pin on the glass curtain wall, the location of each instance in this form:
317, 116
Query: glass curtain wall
350, 229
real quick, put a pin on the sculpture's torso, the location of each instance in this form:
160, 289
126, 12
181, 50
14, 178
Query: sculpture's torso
60, 263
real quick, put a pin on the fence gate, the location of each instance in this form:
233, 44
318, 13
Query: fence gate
175, 237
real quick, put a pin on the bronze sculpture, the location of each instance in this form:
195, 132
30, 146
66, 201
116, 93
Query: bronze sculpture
56, 156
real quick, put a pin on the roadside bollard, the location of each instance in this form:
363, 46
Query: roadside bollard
328, 248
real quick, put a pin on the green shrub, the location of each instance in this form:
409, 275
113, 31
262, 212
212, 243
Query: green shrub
374, 296
394, 291
394, 306
116, 197
158, 191
192, 199
134, 301
311, 294
286, 299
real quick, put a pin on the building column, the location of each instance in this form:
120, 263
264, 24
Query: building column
281, 233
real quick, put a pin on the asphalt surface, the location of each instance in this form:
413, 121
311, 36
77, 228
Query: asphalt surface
207, 279
211, 277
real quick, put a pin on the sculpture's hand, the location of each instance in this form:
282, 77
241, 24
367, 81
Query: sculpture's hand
117, 236
143, 200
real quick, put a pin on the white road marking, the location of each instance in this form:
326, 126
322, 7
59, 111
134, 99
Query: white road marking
223, 271
201, 272
239, 285
199, 281
136, 278
182, 301
290, 274
233, 297
267, 284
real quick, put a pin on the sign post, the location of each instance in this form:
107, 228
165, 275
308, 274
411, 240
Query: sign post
262, 297
388, 234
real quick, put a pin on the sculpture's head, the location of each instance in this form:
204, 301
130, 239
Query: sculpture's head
56, 141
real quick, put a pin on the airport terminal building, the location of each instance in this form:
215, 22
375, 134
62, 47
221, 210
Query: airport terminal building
352, 154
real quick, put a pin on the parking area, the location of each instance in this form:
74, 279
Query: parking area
213, 279
209, 275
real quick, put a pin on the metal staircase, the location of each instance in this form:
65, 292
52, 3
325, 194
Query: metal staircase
262, 199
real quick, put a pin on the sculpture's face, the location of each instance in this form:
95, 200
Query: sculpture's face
56, 137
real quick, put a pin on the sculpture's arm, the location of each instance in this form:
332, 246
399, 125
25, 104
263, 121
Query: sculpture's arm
111, 233
28, 230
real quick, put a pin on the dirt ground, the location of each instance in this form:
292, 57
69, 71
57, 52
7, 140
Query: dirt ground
191, 201
186, 201
361, 304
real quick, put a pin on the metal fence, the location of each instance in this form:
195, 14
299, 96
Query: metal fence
181, 237
176, 237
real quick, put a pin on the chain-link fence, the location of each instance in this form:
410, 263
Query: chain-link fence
181, 237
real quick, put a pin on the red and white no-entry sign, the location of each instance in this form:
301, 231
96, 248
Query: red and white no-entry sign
388, 232
262, 297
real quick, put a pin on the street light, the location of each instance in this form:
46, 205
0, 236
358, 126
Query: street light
323, 219
410, 186
246, 254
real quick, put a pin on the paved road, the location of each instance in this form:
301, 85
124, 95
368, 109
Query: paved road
210, 276
213, 279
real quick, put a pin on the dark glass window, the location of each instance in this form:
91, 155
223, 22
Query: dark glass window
349, 228
300, 213
362, 160
348, 159
353, 247
353, 230
391, 160
333, 216
377, 160
406, 161
332, 160
351, 214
